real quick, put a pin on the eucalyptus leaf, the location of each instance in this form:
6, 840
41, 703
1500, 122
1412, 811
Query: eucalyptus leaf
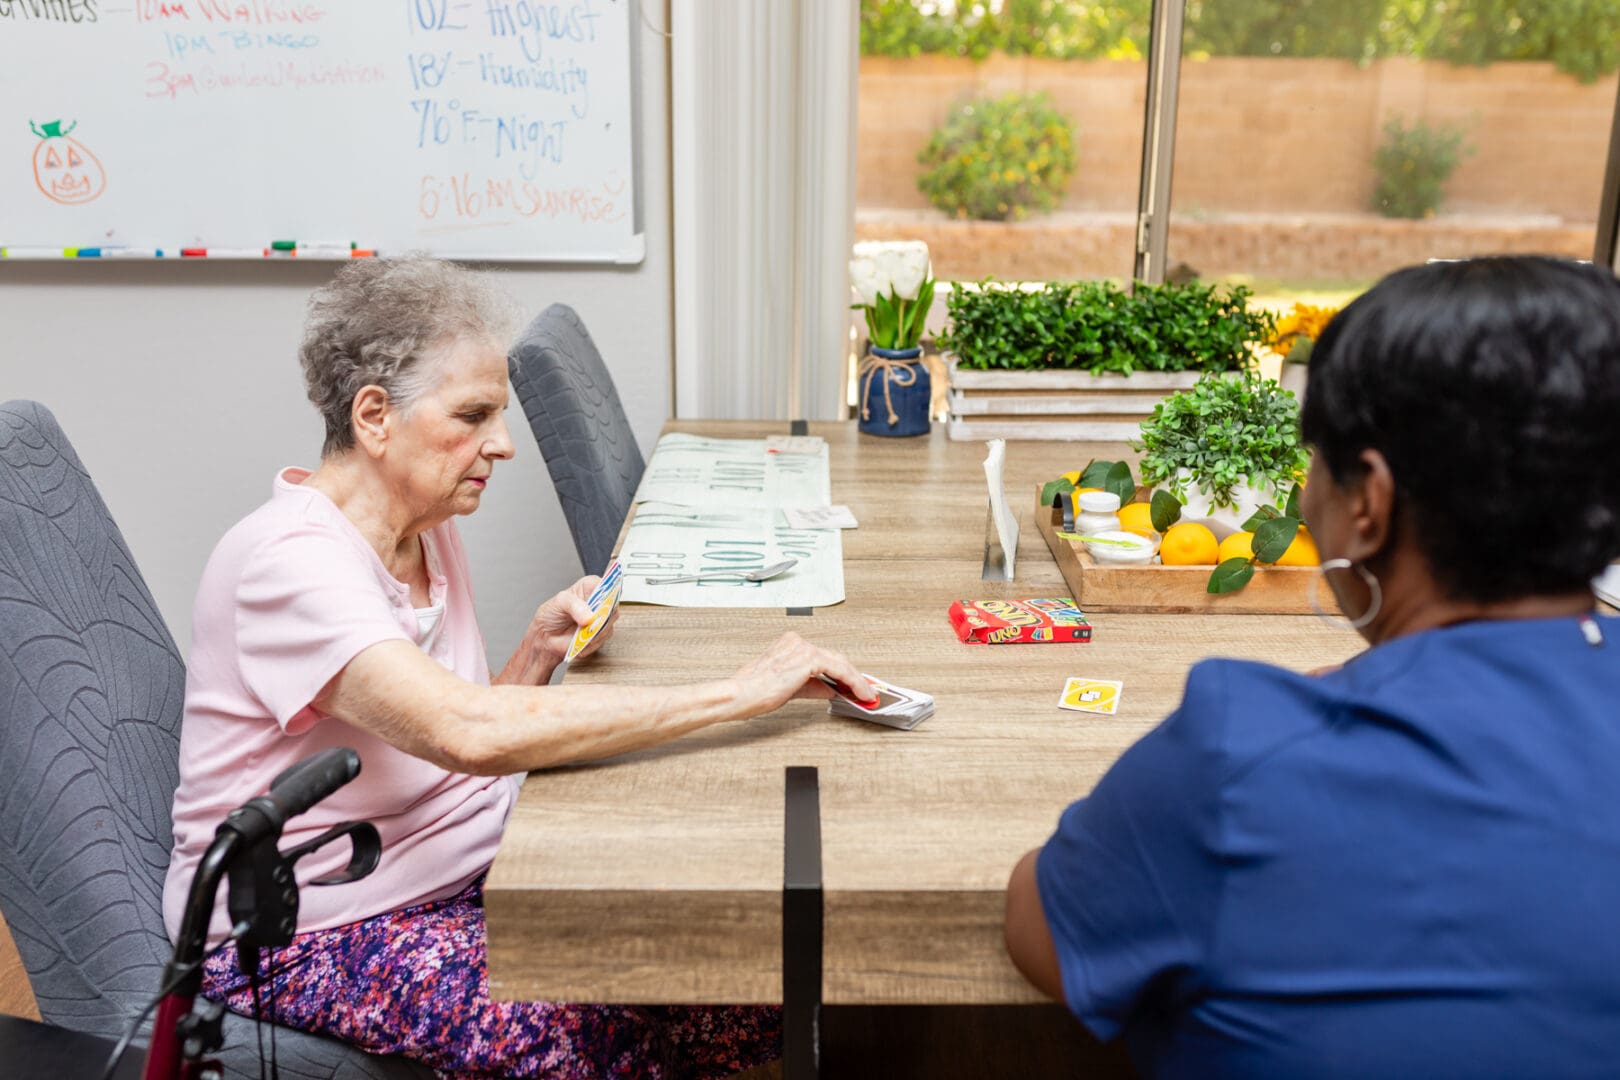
1095, 474
1060, 486
1272, 538
1231, 576
1260, 517
1165, 510
1120, 482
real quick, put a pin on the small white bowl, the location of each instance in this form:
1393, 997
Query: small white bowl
1141, 550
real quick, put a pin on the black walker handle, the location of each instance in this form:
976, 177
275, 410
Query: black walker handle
309, 781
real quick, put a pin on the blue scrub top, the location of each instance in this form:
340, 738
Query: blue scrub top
1407, 868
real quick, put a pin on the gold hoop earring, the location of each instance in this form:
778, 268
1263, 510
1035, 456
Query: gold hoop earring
1367, 579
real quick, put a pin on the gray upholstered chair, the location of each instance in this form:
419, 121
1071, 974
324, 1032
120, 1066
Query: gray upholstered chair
577, 419
90, 698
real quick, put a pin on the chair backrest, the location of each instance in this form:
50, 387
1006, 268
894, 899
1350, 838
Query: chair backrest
91, 686
91, 691
577, 419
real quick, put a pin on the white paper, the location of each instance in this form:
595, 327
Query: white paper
669, 539
699, 471
1005, 522
820, 517
794, 444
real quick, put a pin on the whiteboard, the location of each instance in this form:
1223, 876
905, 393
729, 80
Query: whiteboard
499, 129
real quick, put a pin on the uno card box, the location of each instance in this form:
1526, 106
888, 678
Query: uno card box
1003, 622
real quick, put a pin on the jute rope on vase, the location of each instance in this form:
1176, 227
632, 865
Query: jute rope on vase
892, 369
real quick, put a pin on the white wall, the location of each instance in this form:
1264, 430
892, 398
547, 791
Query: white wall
179, 386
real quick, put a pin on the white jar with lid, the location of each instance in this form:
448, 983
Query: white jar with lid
1099, 512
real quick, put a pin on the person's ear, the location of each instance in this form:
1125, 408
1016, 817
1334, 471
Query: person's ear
1370, 508
371, 416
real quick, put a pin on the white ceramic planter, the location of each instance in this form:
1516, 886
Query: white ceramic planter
1223, 521
1293, 377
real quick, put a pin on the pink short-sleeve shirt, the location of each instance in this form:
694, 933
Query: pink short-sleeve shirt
290, 595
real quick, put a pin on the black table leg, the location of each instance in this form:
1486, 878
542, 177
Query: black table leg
801, 926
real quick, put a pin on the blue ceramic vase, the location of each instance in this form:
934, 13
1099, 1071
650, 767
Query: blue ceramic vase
895, 390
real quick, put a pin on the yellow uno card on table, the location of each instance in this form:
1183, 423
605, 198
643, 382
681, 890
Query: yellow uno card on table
1091, 695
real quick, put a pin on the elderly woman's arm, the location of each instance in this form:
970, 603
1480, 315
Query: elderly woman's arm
396, 692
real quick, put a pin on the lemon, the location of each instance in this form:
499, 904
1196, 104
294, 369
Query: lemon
1188, 543
1137, 518
1302, 552
1240, 545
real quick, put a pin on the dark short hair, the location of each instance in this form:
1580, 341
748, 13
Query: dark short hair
1492, 388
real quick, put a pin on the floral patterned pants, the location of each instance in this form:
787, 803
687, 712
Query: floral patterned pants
414, 982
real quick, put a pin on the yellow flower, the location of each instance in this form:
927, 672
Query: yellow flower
1304, 321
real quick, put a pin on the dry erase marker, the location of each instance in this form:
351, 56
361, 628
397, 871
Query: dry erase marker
35, 253
223, 253
284, 245
131, 253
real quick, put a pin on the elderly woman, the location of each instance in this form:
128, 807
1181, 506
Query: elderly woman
340, 613
1408, 866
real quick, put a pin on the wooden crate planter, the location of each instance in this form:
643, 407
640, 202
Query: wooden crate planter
1069, 405
1274, 590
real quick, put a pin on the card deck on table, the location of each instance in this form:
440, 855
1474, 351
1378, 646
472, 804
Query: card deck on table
602, 601
1091, 695
895, 706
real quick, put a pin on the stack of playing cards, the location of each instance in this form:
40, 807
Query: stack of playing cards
895, 706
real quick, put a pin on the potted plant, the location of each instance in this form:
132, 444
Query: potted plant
1224, 448
1086, 360
1294, 339
896, 289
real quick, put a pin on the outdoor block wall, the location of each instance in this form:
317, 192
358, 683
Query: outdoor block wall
1264, 135
1296, 247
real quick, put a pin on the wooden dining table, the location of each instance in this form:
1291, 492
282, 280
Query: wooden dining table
658, 876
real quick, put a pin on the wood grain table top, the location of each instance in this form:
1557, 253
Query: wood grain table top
656, 877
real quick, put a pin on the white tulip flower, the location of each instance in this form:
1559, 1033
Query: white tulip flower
906, 267
865, 277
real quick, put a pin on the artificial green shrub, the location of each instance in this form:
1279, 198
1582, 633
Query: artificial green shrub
998, 159
1224, 431
1413, 165
1097, 327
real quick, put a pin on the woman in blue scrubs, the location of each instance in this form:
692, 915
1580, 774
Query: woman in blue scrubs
1409, 866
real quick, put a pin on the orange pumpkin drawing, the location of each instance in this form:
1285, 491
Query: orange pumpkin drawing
64, 168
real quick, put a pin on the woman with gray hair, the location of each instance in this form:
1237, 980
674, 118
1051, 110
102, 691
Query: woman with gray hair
340, 613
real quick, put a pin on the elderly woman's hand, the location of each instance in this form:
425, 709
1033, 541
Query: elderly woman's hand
788, 669
550, 633
558, 619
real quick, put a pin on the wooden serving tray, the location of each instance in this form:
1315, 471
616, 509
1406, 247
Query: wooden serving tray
1274, 590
